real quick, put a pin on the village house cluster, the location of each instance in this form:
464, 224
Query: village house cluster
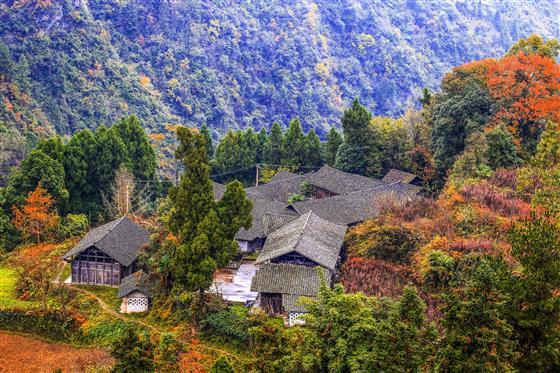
299, 242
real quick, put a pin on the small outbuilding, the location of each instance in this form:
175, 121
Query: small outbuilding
136, 292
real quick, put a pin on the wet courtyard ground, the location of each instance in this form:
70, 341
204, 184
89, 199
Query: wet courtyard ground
235, 285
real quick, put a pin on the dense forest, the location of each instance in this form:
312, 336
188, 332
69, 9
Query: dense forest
71, 65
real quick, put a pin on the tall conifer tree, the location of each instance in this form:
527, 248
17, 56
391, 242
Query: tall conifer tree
334, 140
273, 151
205, 229
313, 150
294, 145
354, 154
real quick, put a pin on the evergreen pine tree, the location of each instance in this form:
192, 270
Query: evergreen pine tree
294, 145
139, 152
313, 150
236, 152
37, 168
235, 209
193, 198
110, 153
414, 340
229, 154
208, 138
262, 136
249, 146
536, 245
273, 151
205, 230
354, 155
133, 352
79, 164
477, 335
334, 140
501, 150
52, 147
6, 61
22, 74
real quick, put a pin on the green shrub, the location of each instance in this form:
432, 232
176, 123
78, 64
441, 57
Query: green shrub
222, 365
52, 325
167, 354
133, 352
73, 225
231, 324
295, 198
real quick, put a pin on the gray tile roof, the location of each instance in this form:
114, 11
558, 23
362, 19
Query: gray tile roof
357, 206
279, 190
309, 235
272, 222
138, 281
289, 279
394, 176
286, 184
261, 207
340, 182
283, 175
121, 239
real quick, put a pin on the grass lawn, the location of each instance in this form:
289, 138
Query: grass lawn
106, 293
7, 286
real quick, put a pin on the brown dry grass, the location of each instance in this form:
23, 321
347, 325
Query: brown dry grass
23, 354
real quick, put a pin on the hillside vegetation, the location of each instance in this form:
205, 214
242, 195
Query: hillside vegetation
70, 65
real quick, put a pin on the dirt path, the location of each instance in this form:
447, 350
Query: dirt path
153, 328
22, 354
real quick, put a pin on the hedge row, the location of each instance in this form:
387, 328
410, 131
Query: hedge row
49, 324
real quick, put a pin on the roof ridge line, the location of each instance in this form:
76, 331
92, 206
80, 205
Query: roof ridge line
117, 222
303, 229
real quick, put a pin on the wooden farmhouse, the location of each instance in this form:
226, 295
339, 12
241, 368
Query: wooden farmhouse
108, 253
292, 262
300, 242
337, 196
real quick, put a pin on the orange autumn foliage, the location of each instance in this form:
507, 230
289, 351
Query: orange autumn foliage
37, 219
192, 360
527, 90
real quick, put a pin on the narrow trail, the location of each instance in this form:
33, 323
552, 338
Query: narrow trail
153, 328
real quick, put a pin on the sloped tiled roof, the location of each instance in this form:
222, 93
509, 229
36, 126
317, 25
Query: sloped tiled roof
394, 176
288, 279
357, 206
285, 184
121, 239
272, 222
261, 207
138, 281
309, 235
283, 175
340, 182
279, 190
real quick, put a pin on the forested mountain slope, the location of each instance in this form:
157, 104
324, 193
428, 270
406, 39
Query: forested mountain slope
72, 64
